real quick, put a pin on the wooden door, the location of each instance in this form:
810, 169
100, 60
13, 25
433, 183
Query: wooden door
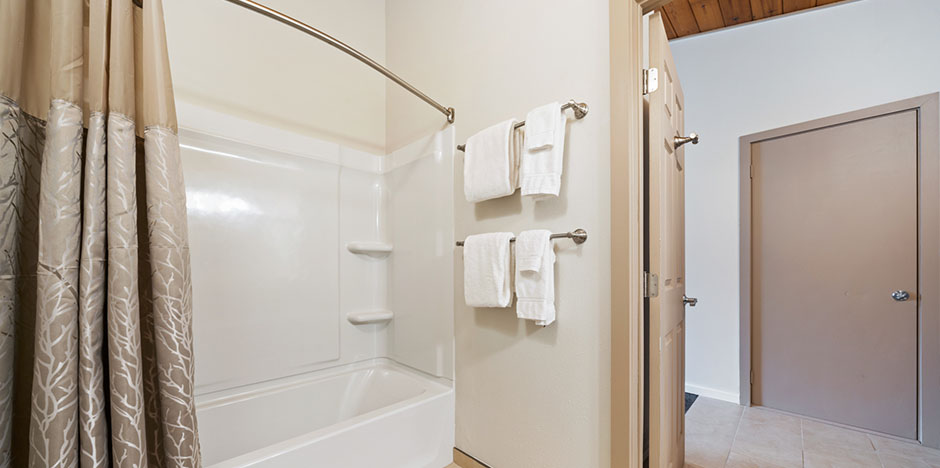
834, 234
665, 258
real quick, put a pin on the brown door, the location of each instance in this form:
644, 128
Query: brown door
665, 258
834, 234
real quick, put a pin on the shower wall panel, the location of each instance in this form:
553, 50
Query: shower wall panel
421, 188
363, 278
273, 280
263, 235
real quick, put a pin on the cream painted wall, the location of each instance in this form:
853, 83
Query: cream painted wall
767, 75
238, 62
527, 396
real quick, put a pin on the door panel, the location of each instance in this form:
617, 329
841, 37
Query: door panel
666, 258
834, 233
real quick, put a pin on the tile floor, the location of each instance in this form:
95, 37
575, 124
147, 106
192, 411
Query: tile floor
721, 434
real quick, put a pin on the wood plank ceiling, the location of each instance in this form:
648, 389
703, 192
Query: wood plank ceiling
687, 17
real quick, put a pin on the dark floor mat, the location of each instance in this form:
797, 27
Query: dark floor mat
689, 399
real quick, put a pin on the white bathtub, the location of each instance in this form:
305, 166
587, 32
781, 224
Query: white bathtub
365, 415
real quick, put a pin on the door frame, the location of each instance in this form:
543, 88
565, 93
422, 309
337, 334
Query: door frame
626, 235
928, 233
626, 230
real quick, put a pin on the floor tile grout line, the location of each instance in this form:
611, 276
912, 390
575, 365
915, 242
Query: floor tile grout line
802, 445
735, 436
875, 449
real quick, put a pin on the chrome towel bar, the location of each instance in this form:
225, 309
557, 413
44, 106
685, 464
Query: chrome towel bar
580, 110
579, 236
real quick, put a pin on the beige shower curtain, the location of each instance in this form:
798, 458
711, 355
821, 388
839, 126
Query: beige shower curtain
96, 365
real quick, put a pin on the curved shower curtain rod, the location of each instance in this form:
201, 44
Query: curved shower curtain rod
312, 31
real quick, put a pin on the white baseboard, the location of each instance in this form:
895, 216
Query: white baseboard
712, 393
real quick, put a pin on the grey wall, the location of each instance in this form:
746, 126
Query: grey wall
762, 76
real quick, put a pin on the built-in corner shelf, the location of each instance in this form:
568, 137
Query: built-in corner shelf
370, 316
372, 249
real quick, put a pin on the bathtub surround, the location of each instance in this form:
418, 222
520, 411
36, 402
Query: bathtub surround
324, 234
420, 183
95, 313
256, 311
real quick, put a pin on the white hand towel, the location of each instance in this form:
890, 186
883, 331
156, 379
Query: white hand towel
540, 172
486, 270
530, 249
535, 278
540, 126
491, 163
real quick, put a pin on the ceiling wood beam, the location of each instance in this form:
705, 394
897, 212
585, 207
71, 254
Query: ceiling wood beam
682, 18
707, 14
789, 6
686, 17
766, 8
735, 11
650, 5
670, 31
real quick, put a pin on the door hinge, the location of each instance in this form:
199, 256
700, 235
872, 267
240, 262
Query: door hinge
752, 377
750, 171
650, 284
650, 80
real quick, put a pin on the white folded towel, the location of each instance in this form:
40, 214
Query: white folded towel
535, 277
540, 172
530, 249
491, 163
540, 126
486, 270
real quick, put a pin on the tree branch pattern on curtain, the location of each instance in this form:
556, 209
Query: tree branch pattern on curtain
96, 357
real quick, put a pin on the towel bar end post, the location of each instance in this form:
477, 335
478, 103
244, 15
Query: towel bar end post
579, 236
580, 108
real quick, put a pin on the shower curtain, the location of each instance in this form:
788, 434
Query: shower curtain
96, 365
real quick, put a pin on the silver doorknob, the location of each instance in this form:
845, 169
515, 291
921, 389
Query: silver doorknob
900, 295
681, 140
690, 301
